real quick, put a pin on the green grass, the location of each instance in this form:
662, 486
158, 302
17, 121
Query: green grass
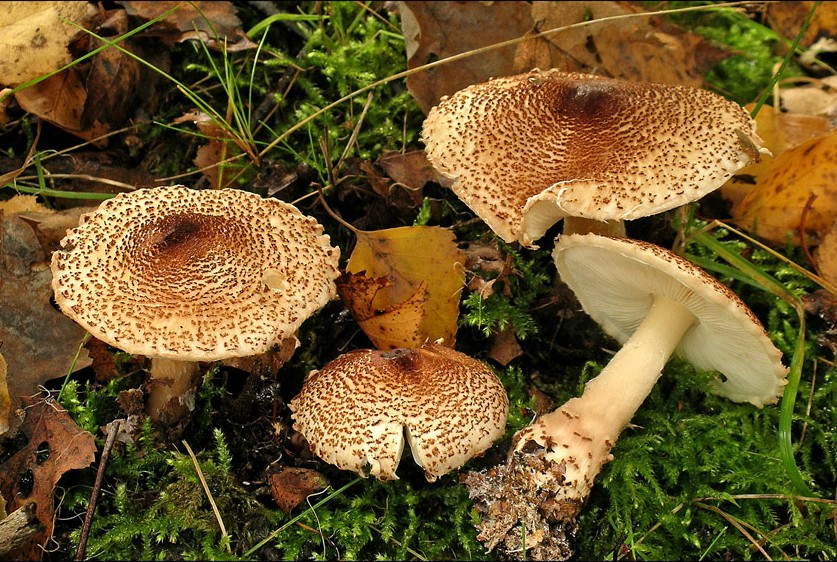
698, 477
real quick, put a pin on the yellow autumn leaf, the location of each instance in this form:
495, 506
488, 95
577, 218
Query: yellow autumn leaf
780, 132
800, 186
414, 278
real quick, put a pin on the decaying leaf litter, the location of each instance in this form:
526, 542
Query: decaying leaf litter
655, 499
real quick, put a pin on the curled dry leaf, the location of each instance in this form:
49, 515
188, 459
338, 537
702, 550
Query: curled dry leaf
403, 285
54, 444
798, 190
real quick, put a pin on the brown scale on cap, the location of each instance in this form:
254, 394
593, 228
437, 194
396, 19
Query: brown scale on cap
528, 150
194, 275
355, 411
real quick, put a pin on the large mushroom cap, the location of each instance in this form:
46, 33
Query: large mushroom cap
194, 275
525, 151
615, 280
355, 411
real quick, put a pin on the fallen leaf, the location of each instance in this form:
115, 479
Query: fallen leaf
780, 132
826, 256
800, 185
38, 342
638, 48
5, 399
199, 20
505, 348
818, 98
786, 18
411, 169
415, 276
398, 325
291, 486
436, 30
633, 48
101, 94
34, 37
54, 444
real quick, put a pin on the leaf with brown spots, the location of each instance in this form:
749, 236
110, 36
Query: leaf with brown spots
403, 285
798, 190
54, 445
780, 132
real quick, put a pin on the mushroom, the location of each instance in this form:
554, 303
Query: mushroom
655, 303
182, 276
525, 151
356, 410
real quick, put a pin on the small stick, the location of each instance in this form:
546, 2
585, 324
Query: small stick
208, 493
113, 428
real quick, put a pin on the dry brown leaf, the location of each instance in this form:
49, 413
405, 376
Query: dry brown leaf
826, 256
634, 48
786, 18
505, 348
34, 37
436, 30
5, 399
805, 176
38, 342
415, 276
637, 48
291, 486
193, 20
98, 95
818, 97
54, 445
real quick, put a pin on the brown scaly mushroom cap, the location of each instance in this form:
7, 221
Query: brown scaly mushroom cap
191, 275
355, 411
528, 150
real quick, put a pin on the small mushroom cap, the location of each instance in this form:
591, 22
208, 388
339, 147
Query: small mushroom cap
525, 151
194, 275
355, 411
615, 280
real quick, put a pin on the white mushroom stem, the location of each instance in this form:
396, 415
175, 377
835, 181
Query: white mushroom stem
554, 461
173, 381
581, 432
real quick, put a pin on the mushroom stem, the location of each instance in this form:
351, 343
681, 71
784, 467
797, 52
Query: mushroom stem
554, 461
579, 225
591, 423
171, 389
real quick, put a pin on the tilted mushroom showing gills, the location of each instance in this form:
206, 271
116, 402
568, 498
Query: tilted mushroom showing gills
525, 151
182, 276
356, 410
655, 303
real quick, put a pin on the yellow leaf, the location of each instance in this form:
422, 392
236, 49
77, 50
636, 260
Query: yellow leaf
805, 176
413, 280
5, 399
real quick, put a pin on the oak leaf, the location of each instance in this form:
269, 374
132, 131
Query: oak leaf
54, 445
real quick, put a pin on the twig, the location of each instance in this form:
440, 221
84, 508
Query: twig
113, 429
208, 493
